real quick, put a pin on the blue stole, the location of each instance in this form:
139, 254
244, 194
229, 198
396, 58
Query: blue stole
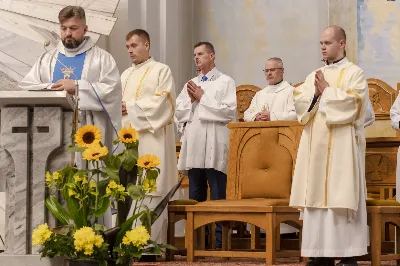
72, 69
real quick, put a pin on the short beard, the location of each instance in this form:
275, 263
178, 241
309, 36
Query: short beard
72, 44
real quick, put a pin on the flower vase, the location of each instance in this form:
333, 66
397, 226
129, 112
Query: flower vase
73, 262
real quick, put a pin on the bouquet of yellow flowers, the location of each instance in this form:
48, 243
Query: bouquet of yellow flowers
87, 192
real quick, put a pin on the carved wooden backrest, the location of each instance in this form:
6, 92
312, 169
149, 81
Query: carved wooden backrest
382, 97
244, 95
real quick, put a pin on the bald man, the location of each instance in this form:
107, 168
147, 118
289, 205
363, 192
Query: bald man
329, 180
275, 102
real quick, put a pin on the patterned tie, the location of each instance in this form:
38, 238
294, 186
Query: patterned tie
204, 78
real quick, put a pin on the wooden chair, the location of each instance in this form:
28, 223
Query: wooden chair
250, 200
244, 95
381, 212
380, 173
176, 213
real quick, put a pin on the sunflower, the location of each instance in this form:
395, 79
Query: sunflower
87, 135
94, 152
148, 161
128, 135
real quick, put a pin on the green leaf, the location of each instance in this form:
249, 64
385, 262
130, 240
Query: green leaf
99, 228
146, 220
126, 226
102, 185
59, 212
167, 246
113, 173
115, 162
104, 204
76, 149
136, 192
128, 158
77, 213
152, 173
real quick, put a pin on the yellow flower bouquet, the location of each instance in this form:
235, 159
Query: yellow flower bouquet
87, 192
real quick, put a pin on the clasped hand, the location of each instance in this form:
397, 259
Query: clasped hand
195, 92
320, 83
263, 116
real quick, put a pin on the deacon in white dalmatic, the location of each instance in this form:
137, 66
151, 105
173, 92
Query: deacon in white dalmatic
274, 102
206, 104
329, 180
148, 106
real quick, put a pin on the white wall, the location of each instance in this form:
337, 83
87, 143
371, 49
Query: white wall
246, 33
115, 43
169, 23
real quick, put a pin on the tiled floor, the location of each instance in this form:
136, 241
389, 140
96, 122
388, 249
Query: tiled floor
247, 262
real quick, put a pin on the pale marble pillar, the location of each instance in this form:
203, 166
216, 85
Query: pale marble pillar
34, 142
14, 139
46, 138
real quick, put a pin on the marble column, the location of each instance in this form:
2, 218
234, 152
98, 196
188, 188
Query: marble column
33, 141
14, 139
46, 138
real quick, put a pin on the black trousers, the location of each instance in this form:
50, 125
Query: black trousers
198, 179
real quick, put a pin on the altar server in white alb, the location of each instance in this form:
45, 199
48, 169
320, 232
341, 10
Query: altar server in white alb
206, 104
274, 102
329, 180
77, 64
148, 106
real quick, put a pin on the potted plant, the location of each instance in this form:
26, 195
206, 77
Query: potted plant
86, 193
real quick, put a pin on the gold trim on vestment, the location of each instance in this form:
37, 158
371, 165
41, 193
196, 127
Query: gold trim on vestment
327, 162
140, 83
328, 156
296, 92
169, 96
358, 99
171, 101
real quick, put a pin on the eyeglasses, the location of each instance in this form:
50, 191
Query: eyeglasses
271, 70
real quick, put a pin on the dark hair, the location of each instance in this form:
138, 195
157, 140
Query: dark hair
72, 12
139, 32
209, 46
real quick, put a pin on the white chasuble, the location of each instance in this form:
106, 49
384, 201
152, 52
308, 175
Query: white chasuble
329, 179
149, 93
277, 99
99, 88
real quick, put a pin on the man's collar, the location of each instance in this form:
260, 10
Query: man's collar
143, 63
85, 46
209, 74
